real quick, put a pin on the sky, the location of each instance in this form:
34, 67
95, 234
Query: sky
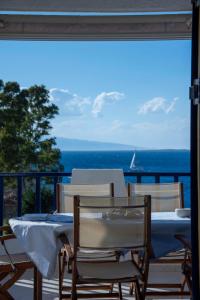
133, 93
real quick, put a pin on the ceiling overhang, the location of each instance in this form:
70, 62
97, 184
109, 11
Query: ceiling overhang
146, 27
53, 19
111, 6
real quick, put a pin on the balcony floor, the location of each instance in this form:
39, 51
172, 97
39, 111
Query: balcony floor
23, 289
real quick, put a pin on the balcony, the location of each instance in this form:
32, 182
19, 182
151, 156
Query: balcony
38, 180
23, 290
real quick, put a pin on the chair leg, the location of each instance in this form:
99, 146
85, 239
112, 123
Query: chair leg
74, 292
61, 265
120, 291
4, 295
183, 284
74, 281
189, 283
59, 274
111, 288
37, 295
3, 275
138, 295
131, 288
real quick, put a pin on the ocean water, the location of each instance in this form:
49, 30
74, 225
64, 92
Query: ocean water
145, 161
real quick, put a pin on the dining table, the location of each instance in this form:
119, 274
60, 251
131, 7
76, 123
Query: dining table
39, 236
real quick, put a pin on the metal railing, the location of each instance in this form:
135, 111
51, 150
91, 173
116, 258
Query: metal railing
64, 177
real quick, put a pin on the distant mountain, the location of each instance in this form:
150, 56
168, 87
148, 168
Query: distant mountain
83, 145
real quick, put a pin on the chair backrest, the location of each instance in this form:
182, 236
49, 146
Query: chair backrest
101, 176
116, 225
164, 196
66, 192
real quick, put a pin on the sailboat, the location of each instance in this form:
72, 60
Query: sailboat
132, 165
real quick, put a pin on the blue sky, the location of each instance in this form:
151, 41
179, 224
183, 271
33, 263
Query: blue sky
132, 93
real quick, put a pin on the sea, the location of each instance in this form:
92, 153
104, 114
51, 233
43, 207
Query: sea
145, 161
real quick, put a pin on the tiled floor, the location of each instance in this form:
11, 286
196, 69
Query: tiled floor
23, 290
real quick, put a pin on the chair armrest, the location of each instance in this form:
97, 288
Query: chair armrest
5, 228
7, 237
4, 238
186, 243
8, 233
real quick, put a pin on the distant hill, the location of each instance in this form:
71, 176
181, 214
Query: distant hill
66, 144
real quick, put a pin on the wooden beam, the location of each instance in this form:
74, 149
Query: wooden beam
96, 5
37, 27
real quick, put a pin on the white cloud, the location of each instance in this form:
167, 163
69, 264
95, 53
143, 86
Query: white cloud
102, 99
157, 104
170, 108
69, 103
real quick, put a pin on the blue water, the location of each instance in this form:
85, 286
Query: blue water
145, 161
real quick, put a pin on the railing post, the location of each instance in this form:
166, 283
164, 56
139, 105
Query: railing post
139, 178
1, 199
19, 195
175, 178
53, 204
157, 179
38, 195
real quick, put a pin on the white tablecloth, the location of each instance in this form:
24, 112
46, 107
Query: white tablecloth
164, 226
39, 239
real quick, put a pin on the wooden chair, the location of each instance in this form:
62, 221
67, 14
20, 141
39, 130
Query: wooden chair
65, 204
13, 266
105, 224
187, 263
165, 197
65, 194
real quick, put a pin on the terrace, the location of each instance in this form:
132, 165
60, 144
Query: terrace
23, 289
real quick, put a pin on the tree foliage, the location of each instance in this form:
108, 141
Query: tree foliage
25, 141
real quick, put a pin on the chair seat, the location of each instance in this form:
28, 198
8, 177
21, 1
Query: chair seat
16, 259
107, 271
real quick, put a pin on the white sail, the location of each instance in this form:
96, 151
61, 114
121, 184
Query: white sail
132, 165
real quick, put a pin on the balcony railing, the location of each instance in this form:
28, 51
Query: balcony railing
65, 177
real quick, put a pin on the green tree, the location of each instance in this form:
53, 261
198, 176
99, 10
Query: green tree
25, 141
